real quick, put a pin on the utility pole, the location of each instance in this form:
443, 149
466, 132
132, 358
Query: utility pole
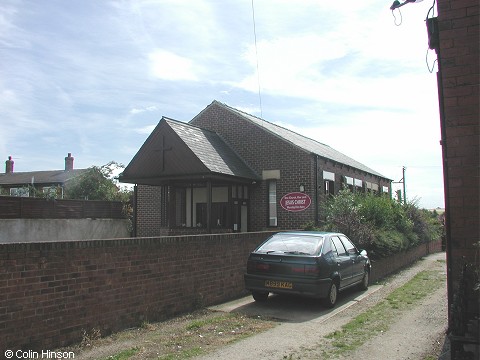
402, 181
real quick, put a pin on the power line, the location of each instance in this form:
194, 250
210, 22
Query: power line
256, 56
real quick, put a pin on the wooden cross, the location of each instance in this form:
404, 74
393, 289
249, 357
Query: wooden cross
162, 150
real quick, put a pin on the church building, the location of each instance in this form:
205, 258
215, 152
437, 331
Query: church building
228, 171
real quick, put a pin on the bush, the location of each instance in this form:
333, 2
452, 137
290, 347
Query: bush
344, 214
387, 243
379, 224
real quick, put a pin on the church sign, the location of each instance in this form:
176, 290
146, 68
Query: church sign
295, 201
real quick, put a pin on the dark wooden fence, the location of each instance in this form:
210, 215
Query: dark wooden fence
12, 207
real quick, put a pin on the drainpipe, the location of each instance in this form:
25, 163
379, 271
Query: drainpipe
443, 143
135, 203
316, 190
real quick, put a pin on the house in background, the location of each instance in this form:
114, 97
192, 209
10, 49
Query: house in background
21, 183
229, 171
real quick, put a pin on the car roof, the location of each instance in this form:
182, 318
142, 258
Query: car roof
314, 233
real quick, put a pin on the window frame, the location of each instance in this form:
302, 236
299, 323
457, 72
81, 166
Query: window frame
346, 241
335, 248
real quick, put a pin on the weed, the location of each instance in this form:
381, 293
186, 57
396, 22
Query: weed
124, 355
89, 337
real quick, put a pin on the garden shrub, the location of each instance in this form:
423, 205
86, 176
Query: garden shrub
379, 224
387, 243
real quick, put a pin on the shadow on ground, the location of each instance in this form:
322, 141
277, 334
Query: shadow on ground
295, 309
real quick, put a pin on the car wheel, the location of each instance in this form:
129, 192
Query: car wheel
331, 298
365, 281
260, 296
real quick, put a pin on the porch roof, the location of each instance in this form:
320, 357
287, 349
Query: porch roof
177, 151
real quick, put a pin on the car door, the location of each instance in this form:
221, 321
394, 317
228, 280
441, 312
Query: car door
343, 261
356, 260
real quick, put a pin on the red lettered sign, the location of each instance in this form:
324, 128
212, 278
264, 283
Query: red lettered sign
295, 201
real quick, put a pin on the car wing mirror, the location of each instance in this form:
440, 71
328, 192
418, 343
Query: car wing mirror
363, 252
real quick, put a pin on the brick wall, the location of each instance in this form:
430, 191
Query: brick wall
459, 73
382, 268
148, 211
52, 292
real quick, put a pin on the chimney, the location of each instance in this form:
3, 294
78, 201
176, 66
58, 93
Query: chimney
9, 165
69, 162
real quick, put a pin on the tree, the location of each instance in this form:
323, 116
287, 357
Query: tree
98, 183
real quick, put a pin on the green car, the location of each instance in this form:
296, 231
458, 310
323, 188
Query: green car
307, 263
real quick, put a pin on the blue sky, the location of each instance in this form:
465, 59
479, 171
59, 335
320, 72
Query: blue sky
94, 77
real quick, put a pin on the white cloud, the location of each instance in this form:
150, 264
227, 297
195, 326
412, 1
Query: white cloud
166, 65
146, 130
135, 111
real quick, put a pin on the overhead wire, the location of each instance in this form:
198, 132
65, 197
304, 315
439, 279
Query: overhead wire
430, 69
432, 10
256, 57
395, 18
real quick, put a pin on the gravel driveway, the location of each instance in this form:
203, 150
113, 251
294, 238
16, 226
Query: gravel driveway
419, 332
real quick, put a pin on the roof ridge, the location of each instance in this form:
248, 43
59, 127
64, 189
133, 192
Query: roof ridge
183, 123
41, 171
269, 122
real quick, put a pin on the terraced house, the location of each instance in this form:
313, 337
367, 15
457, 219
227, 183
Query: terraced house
228, 171
47, 181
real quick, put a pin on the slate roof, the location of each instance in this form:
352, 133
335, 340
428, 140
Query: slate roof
211, 150
48, 177
302, 142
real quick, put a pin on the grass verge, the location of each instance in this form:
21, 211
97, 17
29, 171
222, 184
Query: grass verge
378, 318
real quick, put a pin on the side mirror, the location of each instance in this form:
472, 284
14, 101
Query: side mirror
363, 252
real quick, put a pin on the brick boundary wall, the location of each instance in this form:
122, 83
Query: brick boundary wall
384, 267
52, 292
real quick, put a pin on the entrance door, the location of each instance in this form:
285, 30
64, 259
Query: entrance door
240, 216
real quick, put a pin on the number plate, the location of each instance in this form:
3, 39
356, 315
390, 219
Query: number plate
278, 284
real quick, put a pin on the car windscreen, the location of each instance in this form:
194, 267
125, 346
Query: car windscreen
295, 244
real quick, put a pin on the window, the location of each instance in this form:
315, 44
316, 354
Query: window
351, 249
272, 203
338, 246
329, 183
358, 185
22, 192
329, 187
348, 183
180, 207
294, 244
